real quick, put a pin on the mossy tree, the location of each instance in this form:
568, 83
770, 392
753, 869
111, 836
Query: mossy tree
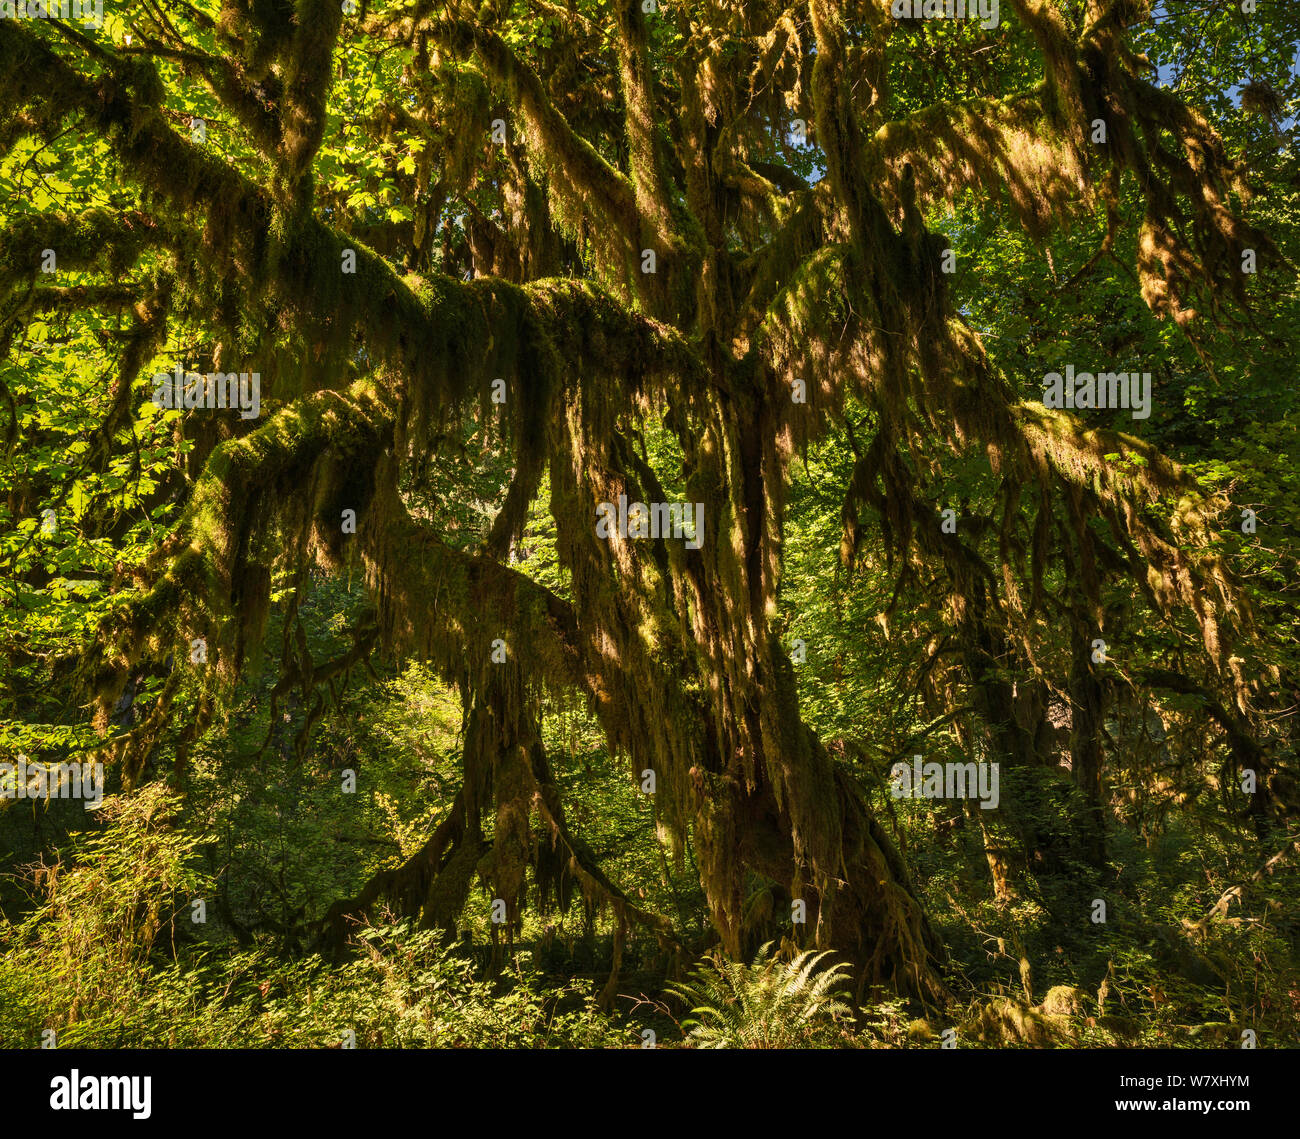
704, 223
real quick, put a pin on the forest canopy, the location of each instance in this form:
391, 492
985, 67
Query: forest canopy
549, 521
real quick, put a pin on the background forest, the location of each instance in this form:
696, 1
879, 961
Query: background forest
296, 847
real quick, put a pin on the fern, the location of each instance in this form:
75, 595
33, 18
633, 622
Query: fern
767, 1004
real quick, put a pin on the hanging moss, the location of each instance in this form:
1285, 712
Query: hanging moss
762, 281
